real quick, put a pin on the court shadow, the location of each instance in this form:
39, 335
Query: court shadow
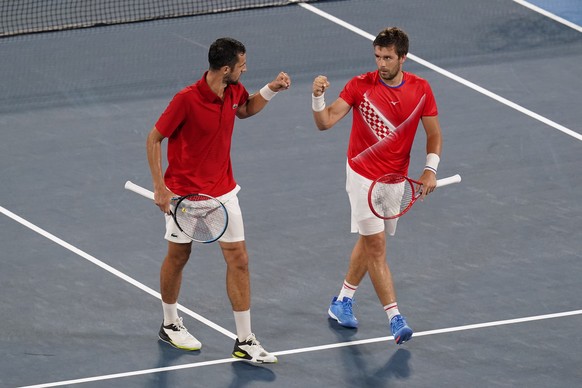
343, 333
168, 356
353, 362
397, 366
358, 369
246, 374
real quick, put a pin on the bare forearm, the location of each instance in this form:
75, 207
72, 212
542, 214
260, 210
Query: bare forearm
433, 134
322, 121
325, 116
162, 195
434, 143
255, 104
259, 100
154, 155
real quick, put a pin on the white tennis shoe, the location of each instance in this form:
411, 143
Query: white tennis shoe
251, 350
177, 335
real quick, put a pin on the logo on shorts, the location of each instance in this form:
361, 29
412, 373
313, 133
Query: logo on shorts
174, 235
234, 106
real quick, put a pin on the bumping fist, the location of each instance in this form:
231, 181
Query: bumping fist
320, 84
282, 82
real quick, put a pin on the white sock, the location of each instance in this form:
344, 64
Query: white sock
391, 310
242, 321
170, 313
347, 290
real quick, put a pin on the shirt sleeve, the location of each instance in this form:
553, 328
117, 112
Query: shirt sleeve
173, 117
347, 93
244, 96
430, 106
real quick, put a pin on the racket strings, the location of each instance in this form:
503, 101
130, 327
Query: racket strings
392, 197
201, 218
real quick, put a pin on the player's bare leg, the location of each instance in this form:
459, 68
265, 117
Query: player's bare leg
238, 288
171, 271
373, 256
173, 330
374, 248
238, 284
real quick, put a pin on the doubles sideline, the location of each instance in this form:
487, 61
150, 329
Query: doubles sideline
550, 15
112, 270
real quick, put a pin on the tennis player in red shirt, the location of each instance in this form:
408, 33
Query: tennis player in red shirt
198, 124
388, 104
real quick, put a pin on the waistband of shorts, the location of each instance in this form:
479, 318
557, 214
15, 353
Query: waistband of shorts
231, 194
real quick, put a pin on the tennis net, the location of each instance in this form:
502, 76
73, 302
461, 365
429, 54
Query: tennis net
29, 16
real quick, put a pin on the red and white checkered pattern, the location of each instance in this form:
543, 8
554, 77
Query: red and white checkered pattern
373, 120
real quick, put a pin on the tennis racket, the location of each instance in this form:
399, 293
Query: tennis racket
199, 216
392, 195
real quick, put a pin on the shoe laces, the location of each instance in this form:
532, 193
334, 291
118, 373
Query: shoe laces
253, 340
347, 306
179, 323
397, 323
256, 345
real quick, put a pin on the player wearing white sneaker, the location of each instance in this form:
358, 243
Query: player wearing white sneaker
178, 336
198, 124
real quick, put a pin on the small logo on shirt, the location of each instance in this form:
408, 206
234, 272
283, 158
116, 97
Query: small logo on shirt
234, 106
394, 102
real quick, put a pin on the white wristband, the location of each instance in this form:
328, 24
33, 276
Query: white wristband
432, 162
317, 103
267, 93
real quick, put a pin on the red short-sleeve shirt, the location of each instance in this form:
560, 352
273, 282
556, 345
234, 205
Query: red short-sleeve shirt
385, 120
199, 127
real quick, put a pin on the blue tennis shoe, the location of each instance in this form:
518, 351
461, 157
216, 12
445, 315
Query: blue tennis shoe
342, 312
400, 329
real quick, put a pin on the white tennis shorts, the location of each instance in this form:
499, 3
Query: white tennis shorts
363, 220
235, 230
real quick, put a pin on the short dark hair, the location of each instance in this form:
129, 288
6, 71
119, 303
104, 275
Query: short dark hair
225, 52
393, 36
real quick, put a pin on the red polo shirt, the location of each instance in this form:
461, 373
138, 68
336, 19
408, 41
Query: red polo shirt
199, 126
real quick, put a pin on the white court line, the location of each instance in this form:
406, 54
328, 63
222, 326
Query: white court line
450, 75
311, 349
549, 15
112, 270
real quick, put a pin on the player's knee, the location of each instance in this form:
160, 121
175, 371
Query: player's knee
375, 245
235, 255
178, 254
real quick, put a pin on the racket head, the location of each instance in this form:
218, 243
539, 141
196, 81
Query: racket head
392, 195
200, 217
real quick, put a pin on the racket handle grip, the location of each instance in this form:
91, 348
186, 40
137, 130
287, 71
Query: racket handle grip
139, 190
448, 181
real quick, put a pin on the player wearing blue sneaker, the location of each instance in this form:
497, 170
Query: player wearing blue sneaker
400, 329
342, 312
388, 106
